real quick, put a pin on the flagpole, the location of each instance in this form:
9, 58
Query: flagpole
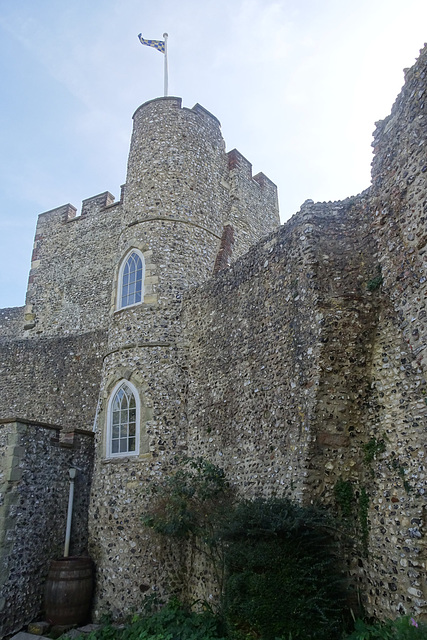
165, 35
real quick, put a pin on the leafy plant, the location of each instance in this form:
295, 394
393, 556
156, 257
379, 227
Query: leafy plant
376, 281
275, 561
363, 519
283, 577
344, 496
190, 501
372, 448
192, 505
405, 628
173, 621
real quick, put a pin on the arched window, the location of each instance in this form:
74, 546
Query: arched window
131, 280
123, 421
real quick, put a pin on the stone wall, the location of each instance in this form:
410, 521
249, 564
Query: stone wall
278, 358
397, 579
34, 481
69, 287
11, 323
52, 379
393, 571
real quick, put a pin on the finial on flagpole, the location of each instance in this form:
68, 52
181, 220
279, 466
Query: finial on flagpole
165, 35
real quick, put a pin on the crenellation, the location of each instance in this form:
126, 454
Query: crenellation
198, 108
59, 215
96, 203
239, 163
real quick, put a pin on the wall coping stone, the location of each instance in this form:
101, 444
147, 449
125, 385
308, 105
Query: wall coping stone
46, 425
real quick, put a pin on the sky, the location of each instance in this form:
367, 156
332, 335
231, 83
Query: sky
296, 84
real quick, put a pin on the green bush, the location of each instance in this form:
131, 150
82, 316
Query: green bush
191, 502
283, 577
405, 628
171, 622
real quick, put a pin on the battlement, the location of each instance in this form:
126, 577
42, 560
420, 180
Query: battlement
238, 164
67, 212
237, 161
61, 214
174, 102
96, 203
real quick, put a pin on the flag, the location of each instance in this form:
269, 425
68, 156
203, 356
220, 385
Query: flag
156, 44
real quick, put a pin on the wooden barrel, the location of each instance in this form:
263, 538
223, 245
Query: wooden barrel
68, 591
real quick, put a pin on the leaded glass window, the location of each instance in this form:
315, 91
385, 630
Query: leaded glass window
123, 421
132, 280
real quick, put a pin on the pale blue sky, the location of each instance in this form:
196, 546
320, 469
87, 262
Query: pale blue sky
296, 84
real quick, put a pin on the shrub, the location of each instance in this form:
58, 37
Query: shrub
283, 578
405, 628
192, 505
173, 621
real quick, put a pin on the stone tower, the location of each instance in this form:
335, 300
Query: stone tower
188, 209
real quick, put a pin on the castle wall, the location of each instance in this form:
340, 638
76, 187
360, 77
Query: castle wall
393, 571
278, 351
34, 483
252, 350
69, 287
397, 572
11, 323
55, 379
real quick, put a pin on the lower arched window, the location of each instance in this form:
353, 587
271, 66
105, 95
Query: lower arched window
123, 421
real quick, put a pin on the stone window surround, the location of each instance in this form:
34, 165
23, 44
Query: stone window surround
134, 390
149, 293
114, 380
120, 279
124, 262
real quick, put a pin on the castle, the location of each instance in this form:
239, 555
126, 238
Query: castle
183, 319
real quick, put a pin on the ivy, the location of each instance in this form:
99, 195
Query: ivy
376, 281
363, 519
344, 497
373, 448
192, 505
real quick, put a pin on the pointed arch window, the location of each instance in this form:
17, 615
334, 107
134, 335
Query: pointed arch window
123, 421
131, 280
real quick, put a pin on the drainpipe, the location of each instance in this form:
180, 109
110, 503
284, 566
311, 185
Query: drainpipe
72, 473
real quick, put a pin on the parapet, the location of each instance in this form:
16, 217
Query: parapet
67, 212
64, 213
204, 112
174, 103
240, 167
237, 161
96, 203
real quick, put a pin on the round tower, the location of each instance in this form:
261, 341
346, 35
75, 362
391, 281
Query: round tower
176, 197
185, 202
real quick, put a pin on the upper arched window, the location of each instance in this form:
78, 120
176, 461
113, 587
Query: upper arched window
123, 421
131, 280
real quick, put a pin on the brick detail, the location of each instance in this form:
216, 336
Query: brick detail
225, 252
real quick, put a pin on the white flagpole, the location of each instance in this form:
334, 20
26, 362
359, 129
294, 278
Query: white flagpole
165, 35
